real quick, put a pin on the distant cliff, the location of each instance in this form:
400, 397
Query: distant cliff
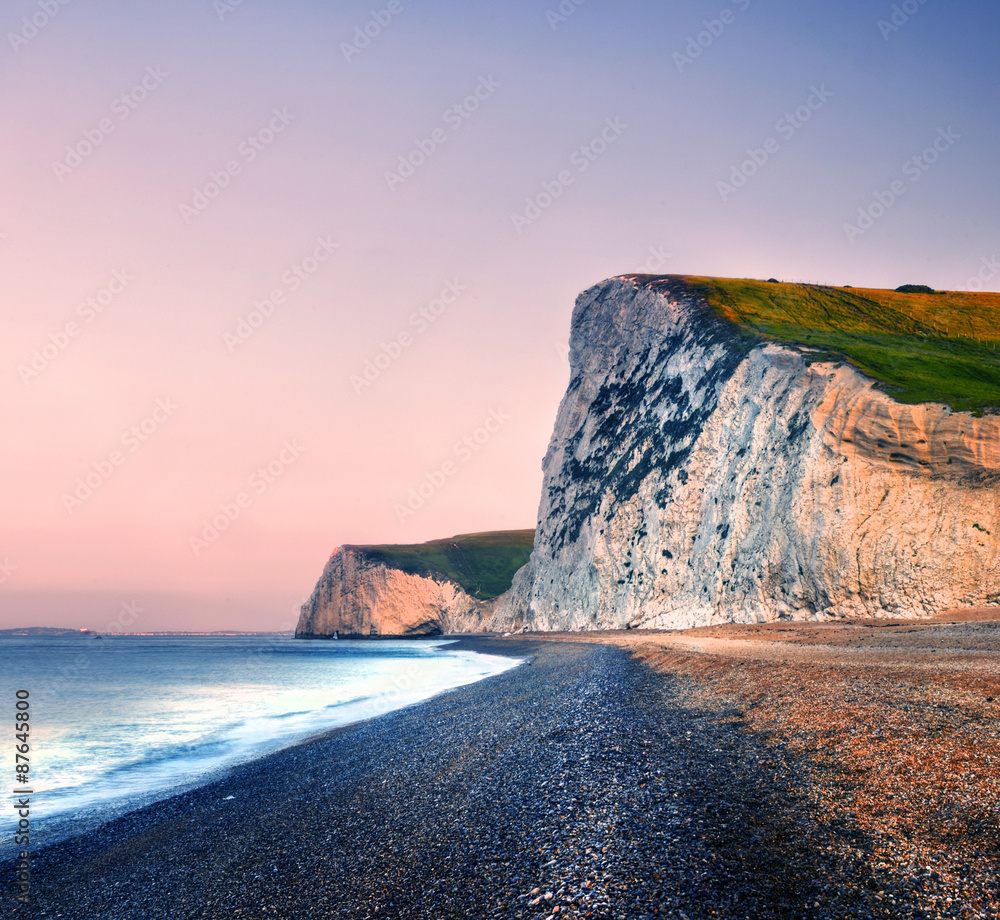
698, 474
444, 586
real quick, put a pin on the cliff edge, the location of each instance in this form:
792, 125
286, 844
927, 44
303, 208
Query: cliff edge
700, 474
443, 586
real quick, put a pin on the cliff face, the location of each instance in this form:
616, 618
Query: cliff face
357, 596
696, 476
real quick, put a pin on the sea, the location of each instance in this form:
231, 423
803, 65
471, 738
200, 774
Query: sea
119, 722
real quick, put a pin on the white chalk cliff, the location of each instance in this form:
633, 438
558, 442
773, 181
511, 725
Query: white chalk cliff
696, 475
699, 475
358, 595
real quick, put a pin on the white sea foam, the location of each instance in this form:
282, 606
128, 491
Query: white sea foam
130, 720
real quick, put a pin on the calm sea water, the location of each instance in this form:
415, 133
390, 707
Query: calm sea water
120, 722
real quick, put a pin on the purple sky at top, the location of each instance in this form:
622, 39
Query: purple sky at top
426, 201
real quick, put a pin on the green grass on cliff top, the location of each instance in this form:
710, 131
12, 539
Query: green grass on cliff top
482, 563
942, 347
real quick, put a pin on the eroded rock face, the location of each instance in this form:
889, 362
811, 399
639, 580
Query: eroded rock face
357, 597
696, 477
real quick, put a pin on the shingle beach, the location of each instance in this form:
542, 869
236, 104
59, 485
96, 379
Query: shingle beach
587, 783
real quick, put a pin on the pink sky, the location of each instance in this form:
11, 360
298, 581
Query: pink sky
207, 240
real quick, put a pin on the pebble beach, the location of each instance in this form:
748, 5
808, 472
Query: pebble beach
648, 778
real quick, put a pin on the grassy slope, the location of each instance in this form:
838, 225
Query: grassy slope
482, 563
942, 347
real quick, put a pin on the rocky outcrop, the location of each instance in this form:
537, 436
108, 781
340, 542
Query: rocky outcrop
360, 595
697, 475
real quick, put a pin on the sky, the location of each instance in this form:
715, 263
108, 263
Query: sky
280, 276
